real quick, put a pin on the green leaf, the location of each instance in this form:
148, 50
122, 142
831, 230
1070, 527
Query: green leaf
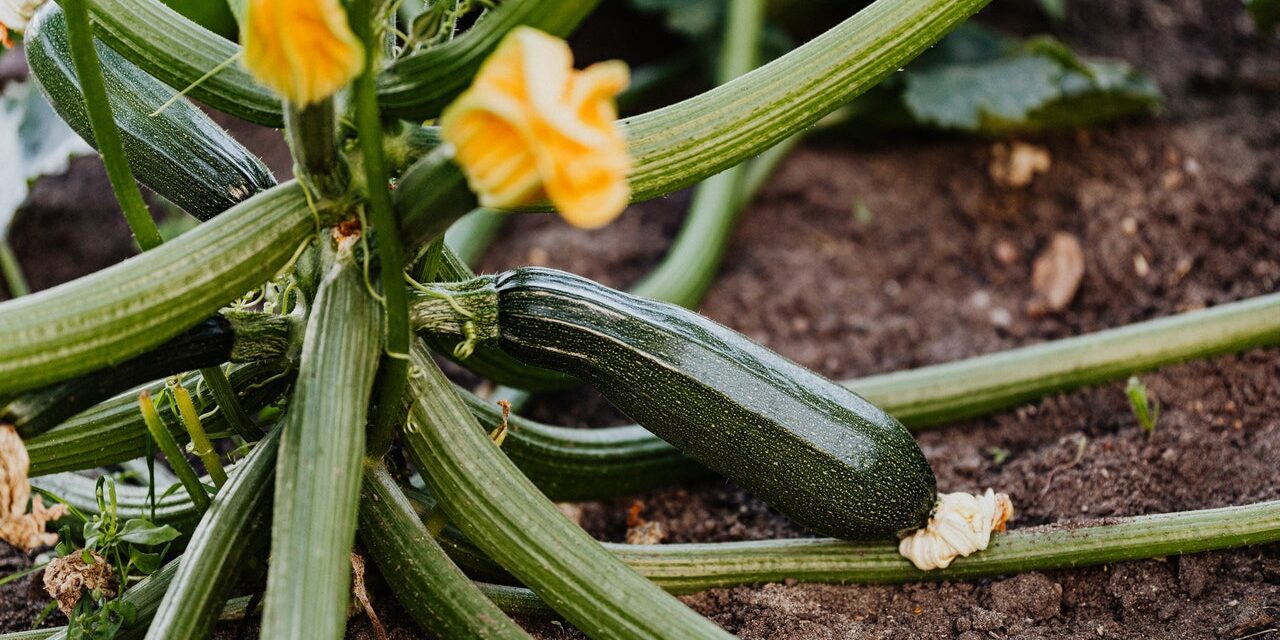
1265, 13
1055, 9
141, 531
980, 81
693, 18
1041, 85
145, 563
34, 141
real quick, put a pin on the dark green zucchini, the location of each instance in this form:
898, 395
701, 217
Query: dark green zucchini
230, 336
812, 449
179, 153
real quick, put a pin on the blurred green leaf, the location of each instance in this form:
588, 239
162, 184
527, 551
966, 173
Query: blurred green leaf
37, 142
1265, 13
979, 81
693, 18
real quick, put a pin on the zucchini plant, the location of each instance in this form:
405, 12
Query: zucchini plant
296, 325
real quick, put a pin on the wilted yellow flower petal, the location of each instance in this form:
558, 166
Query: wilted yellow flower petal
530, 127
304, 50
14, 16
17, 527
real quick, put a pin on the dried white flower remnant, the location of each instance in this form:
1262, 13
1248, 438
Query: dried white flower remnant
66, 578
961, 525
17, 527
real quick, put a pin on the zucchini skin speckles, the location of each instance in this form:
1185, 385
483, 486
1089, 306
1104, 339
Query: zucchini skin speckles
812, 449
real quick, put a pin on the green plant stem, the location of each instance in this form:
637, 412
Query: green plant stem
500, 510
317, 488
688, 568
312, 132
203, 448
942, 393
690, 265
229, 405
114, 431
127, 309
105, 132
395, 359
228, 336
472, 233
12, 269
425, 581
169, 447
224, 538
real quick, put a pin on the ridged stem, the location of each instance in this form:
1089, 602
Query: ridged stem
688, 568
424, 580
114, 432
500, 510
312, 132
395, 359
686, 272
130, 308
105, 132
224, 537
317, 487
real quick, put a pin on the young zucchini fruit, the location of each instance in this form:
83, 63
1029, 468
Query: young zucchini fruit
812, 449
179, 153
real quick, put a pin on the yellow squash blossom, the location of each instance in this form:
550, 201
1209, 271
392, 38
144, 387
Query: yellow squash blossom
531, 128
304, 50
14, 16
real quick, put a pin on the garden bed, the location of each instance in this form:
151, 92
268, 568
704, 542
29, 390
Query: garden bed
941, 270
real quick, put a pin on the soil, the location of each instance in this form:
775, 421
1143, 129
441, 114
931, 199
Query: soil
1173, 213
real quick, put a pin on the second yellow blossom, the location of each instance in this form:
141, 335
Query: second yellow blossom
304, 50
531, 128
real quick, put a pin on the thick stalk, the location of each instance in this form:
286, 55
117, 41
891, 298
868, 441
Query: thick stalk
130, 308
395, 359
105, 132
425, 581
690, 265
312, 132
947, 392
499, 509
688, 568
220, 543
229, 336
114, 432
318, 472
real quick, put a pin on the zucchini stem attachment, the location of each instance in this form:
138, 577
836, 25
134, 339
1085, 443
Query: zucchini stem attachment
468, 309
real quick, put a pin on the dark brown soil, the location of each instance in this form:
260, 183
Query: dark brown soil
942, 271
